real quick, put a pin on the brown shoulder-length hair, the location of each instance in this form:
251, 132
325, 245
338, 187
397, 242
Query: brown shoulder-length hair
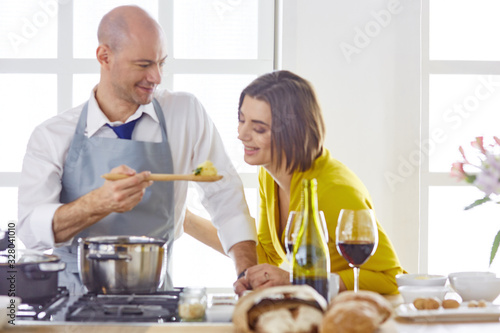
298, 129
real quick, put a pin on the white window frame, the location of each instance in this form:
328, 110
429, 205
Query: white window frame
65, 66
430, 179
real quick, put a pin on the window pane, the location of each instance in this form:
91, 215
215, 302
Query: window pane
82, 87
220, 94
461, 107
88, 14
38, 95
460, 240
8, 198
28, 29
194, 262
464, 30
215, 29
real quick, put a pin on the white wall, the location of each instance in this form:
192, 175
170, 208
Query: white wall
370, 95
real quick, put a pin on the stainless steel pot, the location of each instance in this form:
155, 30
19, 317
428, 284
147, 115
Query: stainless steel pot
121, 264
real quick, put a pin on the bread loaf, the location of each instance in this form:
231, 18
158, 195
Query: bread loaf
361, 312
280, 309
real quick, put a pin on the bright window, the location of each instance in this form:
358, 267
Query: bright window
461, 99
48, 65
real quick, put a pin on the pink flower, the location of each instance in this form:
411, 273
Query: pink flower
478, 144
457, 170
488, 182
463, 154
487, 178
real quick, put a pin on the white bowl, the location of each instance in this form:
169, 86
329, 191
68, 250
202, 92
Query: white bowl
476, 287
420, 280
8, 308
471, 274
410, 293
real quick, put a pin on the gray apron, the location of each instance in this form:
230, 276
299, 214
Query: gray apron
87, 160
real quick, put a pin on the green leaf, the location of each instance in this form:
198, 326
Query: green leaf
470, 178
494, 248
478, 202
197, 171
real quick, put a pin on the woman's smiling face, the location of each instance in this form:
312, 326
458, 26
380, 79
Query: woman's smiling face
254, 131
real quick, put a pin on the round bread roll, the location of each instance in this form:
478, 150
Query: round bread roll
280, 309
450, 304
360, 312
432, 303
382, 305
419, 303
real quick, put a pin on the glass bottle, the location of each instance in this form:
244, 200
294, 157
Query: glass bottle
311, 257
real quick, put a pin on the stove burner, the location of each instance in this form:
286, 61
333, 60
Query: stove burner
125, 310
158, 307
43, 308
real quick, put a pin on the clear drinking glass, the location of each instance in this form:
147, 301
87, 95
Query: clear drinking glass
356, 238
291, 229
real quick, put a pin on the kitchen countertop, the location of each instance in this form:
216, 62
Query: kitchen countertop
392, 326
30, 327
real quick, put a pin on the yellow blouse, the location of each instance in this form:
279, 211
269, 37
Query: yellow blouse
338, 187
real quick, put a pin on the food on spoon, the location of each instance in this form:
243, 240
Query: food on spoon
450, 304
359, 312
205, 169
297, 308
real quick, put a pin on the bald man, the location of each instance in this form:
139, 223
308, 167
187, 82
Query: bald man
129, 127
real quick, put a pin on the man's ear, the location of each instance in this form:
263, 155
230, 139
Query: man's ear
103, 54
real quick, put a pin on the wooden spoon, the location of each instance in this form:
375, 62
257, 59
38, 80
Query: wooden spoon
165, 177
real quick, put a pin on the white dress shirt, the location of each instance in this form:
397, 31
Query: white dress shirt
193, 139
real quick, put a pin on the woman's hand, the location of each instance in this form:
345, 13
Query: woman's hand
266, 275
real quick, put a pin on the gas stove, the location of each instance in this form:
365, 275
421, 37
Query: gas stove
160, 307
43, 308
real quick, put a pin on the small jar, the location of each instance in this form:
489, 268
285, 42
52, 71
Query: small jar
192, 304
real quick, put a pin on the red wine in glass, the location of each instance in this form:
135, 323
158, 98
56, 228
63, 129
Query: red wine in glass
356, 238
356, 252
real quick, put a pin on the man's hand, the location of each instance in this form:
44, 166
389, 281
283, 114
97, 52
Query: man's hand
121, 195
113, 196
241, 285
244, 255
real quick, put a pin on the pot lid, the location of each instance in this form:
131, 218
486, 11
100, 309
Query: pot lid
123, 240
23, 256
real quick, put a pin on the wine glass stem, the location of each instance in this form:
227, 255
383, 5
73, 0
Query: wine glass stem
356, 279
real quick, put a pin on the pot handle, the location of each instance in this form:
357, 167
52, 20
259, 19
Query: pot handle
41, 271
108, 256
52, 267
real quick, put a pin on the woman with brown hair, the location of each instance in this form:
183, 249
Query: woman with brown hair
281, 127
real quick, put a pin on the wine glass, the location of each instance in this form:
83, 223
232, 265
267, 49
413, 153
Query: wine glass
356, 238
291, 230
293, 226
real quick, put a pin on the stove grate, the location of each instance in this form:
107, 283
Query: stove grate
159, 307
